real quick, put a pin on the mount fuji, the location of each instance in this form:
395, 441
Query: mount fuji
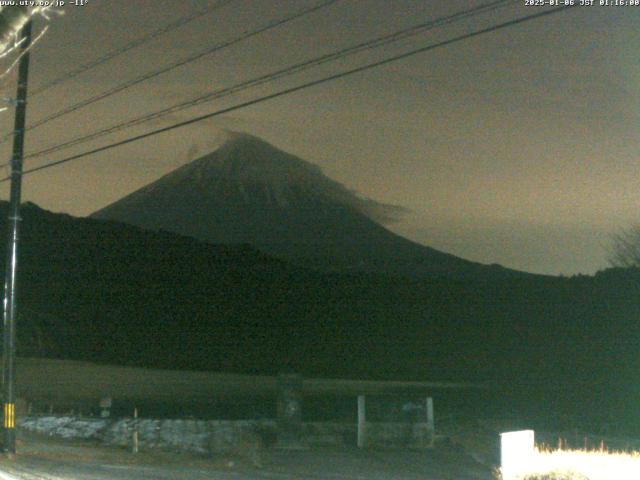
249, 192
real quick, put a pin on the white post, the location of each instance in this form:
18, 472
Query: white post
362, 421
135, 430
431, 425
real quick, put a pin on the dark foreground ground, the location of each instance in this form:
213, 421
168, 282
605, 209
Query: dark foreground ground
47, 459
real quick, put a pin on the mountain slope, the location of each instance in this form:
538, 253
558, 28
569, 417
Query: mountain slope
248, 191
109, 292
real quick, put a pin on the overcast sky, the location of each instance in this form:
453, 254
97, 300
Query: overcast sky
517, 147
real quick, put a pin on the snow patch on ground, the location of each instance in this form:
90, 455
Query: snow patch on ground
198, 436
65, 427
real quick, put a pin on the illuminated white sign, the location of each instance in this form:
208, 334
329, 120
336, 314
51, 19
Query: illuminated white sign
516, 453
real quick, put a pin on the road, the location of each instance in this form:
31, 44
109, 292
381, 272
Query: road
47, 459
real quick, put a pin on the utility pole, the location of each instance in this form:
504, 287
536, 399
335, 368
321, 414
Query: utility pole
9, 341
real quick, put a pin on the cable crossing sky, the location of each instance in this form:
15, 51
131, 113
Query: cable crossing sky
281, 73
300, 87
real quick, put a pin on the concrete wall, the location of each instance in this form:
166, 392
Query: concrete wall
218, 436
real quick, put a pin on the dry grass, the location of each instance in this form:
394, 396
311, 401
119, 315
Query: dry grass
582, 465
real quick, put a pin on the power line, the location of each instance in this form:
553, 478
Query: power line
297, 88
148, 76
285, 72
130, 46
125, 48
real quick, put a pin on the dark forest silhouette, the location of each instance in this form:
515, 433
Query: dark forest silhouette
108, 292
